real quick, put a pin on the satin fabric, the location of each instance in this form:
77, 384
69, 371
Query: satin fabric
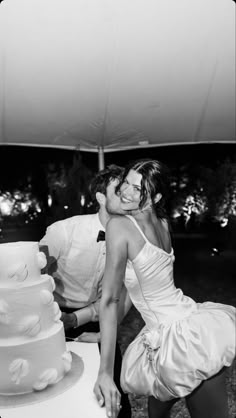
183, 342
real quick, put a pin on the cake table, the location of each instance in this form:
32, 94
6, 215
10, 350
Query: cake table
76, 402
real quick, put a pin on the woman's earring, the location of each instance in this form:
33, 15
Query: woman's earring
157, 198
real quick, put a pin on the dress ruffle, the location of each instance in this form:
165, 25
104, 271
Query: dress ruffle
173, 360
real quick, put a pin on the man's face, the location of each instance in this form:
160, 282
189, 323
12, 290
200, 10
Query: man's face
113, 200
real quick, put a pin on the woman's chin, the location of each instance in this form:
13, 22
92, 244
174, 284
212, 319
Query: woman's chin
128, 207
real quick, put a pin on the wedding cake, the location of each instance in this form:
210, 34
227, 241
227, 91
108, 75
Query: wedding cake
33, 351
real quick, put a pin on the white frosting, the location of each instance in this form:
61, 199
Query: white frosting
18, 272
48, 377
21, 303
19, 263
67, 360
18, 369
30, 325
32, 341
42, 260
43, 352
52, 282
46, 297
4, 312
57, 311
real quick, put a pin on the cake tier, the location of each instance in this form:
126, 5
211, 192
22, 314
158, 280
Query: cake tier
33, 365
20, 262
28, 310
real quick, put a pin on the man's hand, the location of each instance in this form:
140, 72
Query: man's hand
89, 337
107, 394
69, 320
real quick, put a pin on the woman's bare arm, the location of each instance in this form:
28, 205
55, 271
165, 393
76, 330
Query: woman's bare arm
116, 260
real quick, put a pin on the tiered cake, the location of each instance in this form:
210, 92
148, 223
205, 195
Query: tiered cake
32, 342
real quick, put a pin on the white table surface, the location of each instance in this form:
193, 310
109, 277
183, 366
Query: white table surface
77, 402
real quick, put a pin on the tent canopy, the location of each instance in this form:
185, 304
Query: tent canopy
116, 74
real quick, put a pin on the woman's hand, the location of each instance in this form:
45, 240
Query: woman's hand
107, 394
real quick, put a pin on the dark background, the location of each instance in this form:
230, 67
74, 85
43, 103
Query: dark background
43, 170
17, 161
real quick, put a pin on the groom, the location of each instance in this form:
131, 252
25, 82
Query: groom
76, 253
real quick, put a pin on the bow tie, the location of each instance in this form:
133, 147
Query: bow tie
101, 236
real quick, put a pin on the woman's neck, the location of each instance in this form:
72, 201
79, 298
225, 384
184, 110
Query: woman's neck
143, 214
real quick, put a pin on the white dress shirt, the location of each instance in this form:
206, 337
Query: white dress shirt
77, 261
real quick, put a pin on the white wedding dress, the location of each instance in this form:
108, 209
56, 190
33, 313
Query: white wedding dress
183, 342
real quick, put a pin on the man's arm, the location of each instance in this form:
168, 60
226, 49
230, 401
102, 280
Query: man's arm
80, 317
52, 245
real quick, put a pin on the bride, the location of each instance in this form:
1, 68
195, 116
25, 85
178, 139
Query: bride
185, 346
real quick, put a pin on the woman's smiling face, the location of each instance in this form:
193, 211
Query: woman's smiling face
130, 191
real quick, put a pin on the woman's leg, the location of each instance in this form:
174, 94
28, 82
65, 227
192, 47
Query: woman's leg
209, 400
159, 409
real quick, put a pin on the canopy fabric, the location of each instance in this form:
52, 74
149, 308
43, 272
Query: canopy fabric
116, 74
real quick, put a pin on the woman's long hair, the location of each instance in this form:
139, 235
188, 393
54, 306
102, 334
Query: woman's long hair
155, 179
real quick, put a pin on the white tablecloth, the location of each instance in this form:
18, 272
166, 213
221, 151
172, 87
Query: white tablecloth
76, 402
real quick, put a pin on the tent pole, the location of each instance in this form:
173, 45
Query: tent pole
101, 163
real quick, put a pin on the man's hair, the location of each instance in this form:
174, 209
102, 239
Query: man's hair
102, 180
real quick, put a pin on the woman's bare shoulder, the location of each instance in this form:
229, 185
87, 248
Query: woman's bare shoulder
117, 231
116, 222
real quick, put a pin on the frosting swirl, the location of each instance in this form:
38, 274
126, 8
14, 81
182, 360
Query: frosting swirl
4, 315
18, 272
18, 368
57, 311
42, 260
67, 361
31, 325
46, 297
48, 377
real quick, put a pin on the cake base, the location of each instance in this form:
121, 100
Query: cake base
76, 371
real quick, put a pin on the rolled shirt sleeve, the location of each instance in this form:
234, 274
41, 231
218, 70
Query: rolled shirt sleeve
54, 241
